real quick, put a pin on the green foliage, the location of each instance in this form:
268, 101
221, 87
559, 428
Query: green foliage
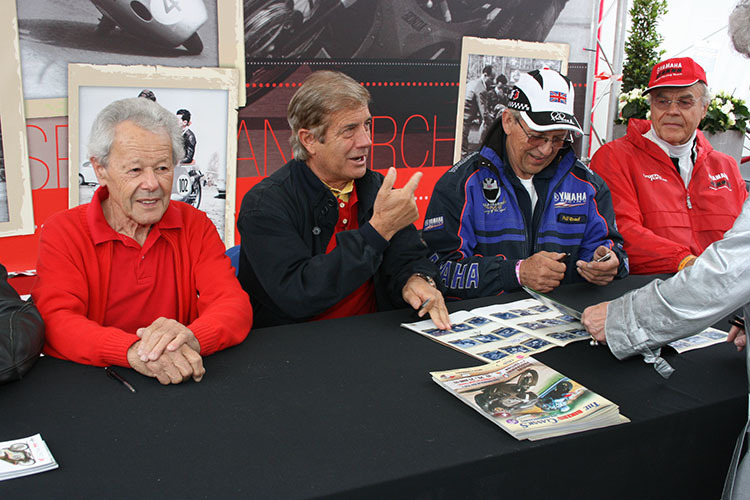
632, 104
641, 47
725, 112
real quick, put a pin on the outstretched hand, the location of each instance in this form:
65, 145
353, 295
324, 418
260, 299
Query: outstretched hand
394, 209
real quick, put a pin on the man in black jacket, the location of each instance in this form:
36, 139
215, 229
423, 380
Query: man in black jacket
324, 236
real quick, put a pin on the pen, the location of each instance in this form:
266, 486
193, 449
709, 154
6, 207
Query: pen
113, 374
604, 258
424, 304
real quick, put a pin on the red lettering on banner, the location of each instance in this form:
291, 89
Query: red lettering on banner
403, 136
435, 140
46, 179
243, 127
59, 158
267, 128
388, 143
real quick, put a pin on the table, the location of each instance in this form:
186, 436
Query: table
346, 408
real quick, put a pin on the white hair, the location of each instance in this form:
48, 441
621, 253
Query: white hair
739, 27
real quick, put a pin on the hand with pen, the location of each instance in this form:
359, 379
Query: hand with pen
543, 271
602, 269
167, 351
425, 298
737, 333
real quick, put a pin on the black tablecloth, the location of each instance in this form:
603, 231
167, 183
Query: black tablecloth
347, 407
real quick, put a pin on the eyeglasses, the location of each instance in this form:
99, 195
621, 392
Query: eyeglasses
538, 141
663, 104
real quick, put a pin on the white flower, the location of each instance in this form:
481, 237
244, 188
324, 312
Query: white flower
731, 120
727, 108
648, 114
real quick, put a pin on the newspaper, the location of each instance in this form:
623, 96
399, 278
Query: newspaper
494, 332
24, 456
528, 399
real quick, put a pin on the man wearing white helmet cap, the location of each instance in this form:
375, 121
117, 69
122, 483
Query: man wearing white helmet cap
523, 210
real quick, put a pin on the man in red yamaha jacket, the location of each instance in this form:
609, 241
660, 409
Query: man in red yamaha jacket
673, 194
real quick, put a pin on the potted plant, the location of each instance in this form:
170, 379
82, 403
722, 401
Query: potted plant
726, 123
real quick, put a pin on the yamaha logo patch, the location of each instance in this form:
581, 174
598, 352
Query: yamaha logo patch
433, 224
564, 199
719, 181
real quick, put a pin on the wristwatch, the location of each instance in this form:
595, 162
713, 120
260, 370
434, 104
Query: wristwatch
428, 279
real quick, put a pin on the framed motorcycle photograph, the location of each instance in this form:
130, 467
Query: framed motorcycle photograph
489, 69
177, 33
205, 102
16, 208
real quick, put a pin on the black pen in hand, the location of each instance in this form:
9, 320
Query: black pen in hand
113, 374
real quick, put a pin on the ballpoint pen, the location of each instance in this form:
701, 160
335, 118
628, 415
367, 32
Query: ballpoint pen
113, 374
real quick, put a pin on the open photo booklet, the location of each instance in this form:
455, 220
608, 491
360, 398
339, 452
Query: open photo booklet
528, 399
494, 332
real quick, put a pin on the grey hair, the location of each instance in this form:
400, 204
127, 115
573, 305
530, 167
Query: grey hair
739, 27
705, 95
321, 94
144, 113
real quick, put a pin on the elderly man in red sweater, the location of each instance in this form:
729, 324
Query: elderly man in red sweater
132, 278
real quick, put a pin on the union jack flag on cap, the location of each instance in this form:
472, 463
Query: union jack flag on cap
556, 96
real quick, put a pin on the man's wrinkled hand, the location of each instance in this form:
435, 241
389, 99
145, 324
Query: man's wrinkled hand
737, 335
394, 209
543, 271
599, 273
164, 334
594, 318
172, 367
417, 291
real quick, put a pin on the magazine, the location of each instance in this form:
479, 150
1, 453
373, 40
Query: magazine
24, 456
528, 399
494, 332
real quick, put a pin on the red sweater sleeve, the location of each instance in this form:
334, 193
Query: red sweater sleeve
223, 307
67, 266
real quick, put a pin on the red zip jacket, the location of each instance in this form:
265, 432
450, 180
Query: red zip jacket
662, 221
73, 281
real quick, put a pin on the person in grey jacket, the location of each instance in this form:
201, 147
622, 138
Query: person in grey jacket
643, 320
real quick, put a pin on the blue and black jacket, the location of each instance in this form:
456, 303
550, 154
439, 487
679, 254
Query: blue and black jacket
479, 222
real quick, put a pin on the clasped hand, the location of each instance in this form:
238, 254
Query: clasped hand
168, 351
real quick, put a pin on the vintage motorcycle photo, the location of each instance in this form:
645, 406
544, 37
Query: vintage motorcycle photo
505, 397
425, 30
170, 23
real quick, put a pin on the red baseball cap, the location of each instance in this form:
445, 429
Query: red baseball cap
676, 72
